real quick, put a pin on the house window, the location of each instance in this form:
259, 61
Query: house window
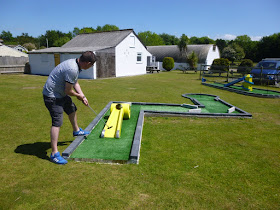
139, 57
132, 41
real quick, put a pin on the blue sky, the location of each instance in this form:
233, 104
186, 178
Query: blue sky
213, 18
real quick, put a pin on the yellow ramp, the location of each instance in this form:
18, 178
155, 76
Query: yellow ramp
118, 113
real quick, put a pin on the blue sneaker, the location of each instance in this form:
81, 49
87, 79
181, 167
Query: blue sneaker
56, 158
81, 132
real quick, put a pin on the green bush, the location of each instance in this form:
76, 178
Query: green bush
220, 64
245, 66
192, 60
168, 63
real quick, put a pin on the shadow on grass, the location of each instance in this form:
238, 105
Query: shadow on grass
38, 149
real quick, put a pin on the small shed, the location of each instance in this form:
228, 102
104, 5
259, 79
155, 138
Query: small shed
206, 54
119, 53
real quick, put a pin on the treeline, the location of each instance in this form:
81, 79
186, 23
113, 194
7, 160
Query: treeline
242, 47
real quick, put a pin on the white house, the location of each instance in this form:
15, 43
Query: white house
206, 54
119, 53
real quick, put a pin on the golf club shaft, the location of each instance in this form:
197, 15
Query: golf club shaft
100, 118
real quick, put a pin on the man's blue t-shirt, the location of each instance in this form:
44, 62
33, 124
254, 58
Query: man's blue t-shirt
67, 71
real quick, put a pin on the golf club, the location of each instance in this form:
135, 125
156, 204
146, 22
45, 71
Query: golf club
100, 118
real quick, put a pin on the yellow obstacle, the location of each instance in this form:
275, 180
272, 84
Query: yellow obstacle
248, 82
118, 113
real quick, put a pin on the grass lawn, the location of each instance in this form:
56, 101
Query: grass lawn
185, 163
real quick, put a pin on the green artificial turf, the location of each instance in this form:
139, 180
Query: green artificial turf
95, 147
211, 106
257, 91
164, 108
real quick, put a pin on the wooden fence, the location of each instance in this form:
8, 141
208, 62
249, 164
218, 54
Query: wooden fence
13, 64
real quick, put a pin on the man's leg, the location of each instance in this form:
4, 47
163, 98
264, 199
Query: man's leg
54, 138
76, 130
73, 119
70, 109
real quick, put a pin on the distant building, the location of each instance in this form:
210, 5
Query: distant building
12, 60
206, 54
20, 48
6, 51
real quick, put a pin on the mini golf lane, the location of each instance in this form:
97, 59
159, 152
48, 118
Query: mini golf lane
257, 92
126, 149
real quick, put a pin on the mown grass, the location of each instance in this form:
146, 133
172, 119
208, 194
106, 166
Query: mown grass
185, 163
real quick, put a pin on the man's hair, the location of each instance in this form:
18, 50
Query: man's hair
88, 56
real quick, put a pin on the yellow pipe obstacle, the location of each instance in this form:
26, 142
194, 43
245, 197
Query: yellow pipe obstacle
119, 111
248, 82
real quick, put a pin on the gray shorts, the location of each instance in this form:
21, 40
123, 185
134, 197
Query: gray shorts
56, 106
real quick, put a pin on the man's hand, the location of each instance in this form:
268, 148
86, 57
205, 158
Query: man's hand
78, 92
85, 101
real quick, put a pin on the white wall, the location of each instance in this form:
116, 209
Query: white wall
213, 53
126, 57
43, 64
85, 74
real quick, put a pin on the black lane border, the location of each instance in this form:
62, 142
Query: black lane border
244, 92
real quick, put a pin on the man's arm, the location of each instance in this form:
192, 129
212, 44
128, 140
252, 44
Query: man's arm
69, 90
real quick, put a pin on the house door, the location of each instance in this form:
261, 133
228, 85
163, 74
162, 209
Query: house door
105, 65
56, 59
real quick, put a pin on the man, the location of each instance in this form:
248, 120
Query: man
60, 85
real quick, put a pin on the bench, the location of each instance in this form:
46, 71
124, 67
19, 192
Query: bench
151, 69
184, 70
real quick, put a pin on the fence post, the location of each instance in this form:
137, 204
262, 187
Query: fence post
228, 72
261, 76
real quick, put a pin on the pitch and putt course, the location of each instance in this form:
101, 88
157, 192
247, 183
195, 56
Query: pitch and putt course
124, 146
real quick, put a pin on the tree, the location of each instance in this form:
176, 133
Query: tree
107, 27
192, 60
269, 47
252, 51
183, 45
220, 65
169, 39
221, 44
75, 32
168, 63
24, 38
201, 40
86, 30
194, 40
61, 41
29, 46
242, 40
245, 66
149, 38
54, 38
6, 36
229, 53
240, 54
